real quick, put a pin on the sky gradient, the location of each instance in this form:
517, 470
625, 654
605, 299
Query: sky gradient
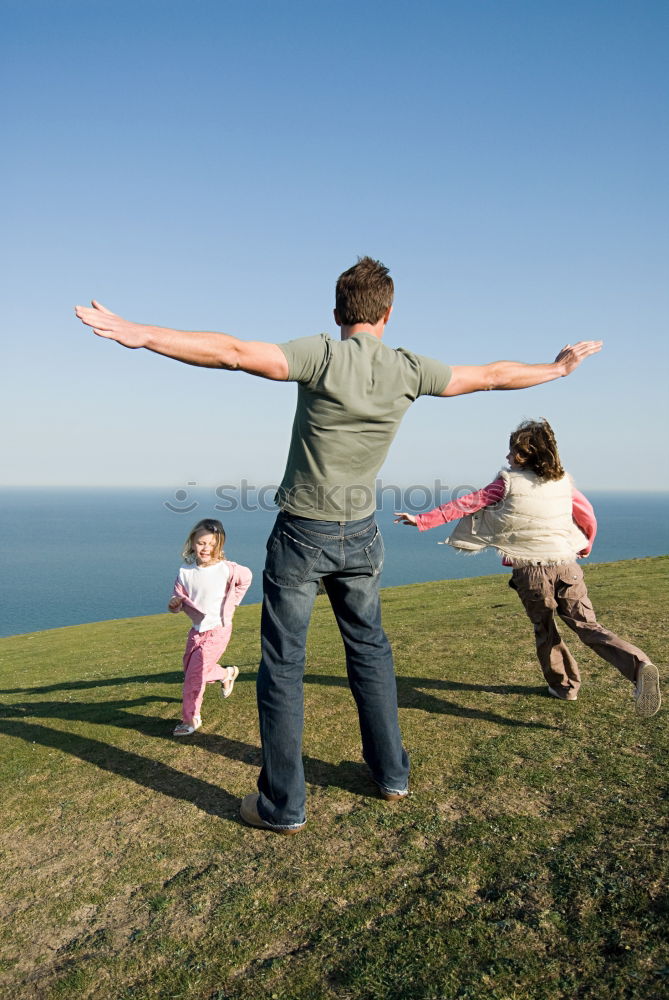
215, 165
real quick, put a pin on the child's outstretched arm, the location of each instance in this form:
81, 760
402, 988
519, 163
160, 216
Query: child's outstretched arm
516, 374
453, 511
206, 350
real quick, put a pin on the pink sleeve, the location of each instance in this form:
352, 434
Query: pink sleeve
584, 518
187, 605
467, 504
242, 582
181, 592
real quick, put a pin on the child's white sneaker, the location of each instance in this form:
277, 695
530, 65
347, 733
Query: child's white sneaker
228, 684
647, 695
187, 728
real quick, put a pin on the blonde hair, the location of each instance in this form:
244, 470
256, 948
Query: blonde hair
534, 447
212, 527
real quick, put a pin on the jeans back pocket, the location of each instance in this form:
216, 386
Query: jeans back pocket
375, 553
290, 562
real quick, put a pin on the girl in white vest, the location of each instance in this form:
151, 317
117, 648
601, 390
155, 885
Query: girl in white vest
533, 515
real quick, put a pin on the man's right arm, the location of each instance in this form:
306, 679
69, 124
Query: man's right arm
515, 374
206, 350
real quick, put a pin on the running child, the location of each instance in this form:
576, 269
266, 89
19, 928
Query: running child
208, 589
532, 514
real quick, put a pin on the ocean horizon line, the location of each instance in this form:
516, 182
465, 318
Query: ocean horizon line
63, 487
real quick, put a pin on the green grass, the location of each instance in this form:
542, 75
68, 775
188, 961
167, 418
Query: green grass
530, 860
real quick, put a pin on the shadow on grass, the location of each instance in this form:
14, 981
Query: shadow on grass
411, 695
348, 775
160, 777
151, 774
105, 713
351, 776
167, 677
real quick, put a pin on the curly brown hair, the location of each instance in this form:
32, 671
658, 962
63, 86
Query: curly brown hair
533, 446
364, 292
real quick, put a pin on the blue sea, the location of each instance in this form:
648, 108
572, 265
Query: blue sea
76, 556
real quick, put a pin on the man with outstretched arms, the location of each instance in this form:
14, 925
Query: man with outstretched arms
352, 395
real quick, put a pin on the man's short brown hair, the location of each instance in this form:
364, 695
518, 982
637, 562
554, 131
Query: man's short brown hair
364, 292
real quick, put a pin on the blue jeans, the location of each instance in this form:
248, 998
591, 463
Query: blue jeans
348, 557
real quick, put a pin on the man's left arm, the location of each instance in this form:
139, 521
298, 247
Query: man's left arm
516, 374
206, 350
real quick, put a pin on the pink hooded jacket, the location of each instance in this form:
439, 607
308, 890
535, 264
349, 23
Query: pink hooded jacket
239, 582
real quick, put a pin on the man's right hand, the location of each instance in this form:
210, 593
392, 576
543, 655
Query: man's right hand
107, 324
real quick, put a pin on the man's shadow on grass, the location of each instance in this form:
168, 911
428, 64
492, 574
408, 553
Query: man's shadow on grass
410, 694
99, 713
152, 774
351, 776
167, 677
157, 775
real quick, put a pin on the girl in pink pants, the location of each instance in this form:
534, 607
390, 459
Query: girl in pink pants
208, 588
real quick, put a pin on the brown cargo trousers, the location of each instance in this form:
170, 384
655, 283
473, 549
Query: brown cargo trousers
544, 590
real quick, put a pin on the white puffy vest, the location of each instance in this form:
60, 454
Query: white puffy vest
532, 525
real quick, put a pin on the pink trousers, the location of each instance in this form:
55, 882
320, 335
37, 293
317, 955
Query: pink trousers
203, 650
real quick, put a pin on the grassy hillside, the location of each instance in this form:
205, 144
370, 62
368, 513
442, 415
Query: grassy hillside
530, 860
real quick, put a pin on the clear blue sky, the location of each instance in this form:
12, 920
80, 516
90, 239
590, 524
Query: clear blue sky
209, 164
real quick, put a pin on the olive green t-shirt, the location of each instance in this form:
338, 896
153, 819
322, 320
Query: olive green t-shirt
351, 397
